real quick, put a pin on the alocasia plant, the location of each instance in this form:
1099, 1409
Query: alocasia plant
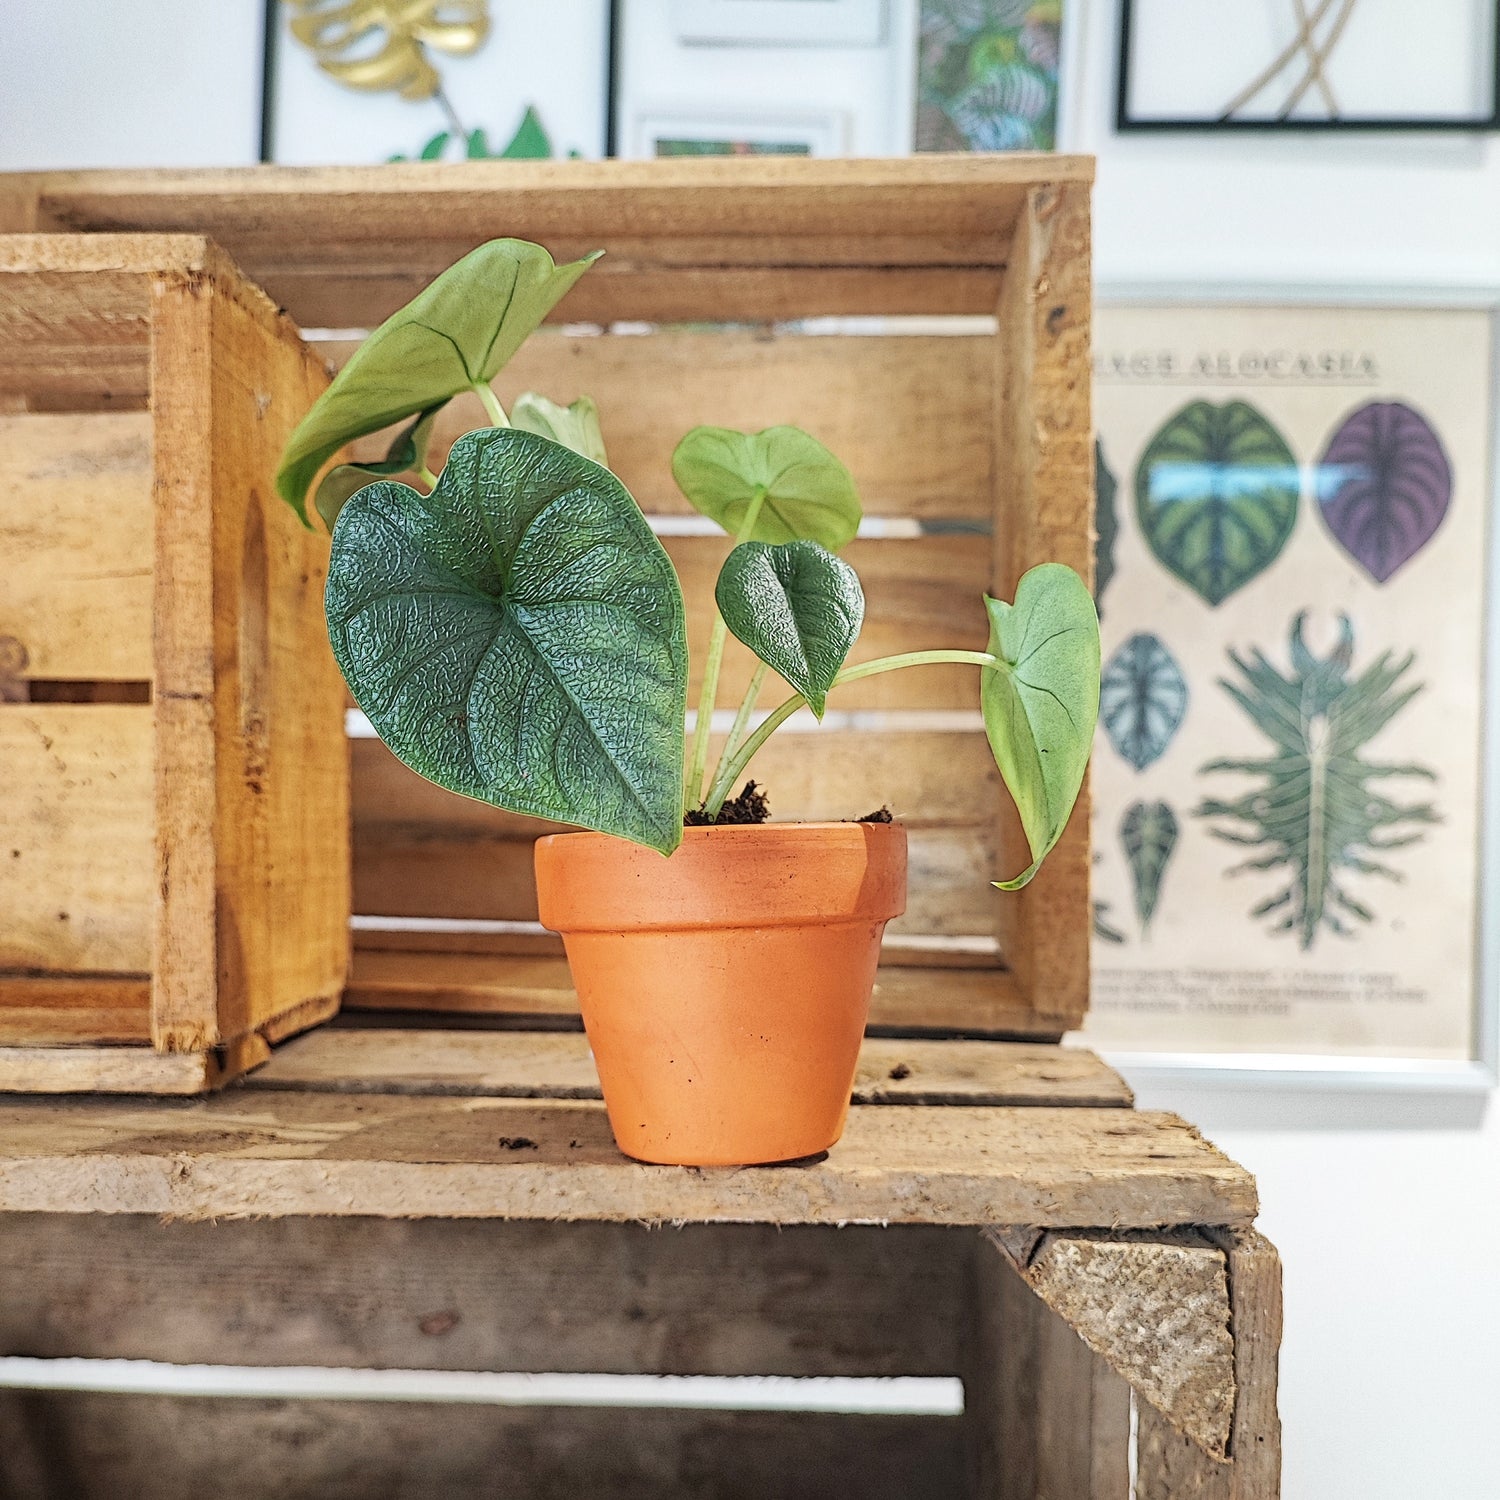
515, 631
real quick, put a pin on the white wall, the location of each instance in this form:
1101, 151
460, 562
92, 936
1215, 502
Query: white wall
1386, 1208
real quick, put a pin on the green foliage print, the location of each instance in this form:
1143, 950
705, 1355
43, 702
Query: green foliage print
1319, 812
1148, 833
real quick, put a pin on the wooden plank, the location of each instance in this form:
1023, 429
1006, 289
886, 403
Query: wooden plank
1169, 1465
1044, 504
56, 1010
76, 831
558, 1065
126, 1070
875, 401
251, 770
970, 1001
394, 1156
75, 532
1153, 1307
181, 1448
467, 1295
1043, 1416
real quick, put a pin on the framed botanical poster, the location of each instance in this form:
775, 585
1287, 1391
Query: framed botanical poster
1294, 519
705, 133
1308, 65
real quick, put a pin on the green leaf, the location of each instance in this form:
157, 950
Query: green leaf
1148, 834
1216, 494
807, 493
433, 150
517, 635
408, 452
530, 142
458, 332
575, 426
797, 607
1040, 706
477, 147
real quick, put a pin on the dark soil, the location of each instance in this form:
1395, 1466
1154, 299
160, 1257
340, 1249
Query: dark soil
751, 806
517, 1143
899, 1072
880, 815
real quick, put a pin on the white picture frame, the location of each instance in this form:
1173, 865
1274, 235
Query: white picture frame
780, 23
653, 127
1313, 1071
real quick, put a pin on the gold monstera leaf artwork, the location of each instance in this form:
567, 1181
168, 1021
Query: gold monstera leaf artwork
381, 44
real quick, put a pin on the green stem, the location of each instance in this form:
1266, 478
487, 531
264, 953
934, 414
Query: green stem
698, 761
742, 718
427, 477
492, 404
731, 768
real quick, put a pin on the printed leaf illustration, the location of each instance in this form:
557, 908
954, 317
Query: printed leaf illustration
518, 635
375, 45
1384, 483
1102, 930
1142, 699
808, 494
575, 426
1106, 525
1040, 712
458, 332
1216, 493
1148, 833
797, 607
1320, 811
408, 452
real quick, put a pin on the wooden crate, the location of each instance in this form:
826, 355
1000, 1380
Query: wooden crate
452, 1201
174, 884
971, 451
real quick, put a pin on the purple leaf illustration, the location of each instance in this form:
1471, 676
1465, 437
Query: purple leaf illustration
1384, 483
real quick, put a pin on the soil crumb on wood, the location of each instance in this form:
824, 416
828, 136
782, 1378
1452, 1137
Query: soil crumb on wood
517, 1143
880, 815
900, 1071
751, 806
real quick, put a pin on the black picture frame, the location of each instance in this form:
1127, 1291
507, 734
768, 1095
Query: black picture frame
1126, 124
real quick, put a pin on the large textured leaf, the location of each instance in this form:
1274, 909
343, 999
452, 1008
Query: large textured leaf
805, 493
1039, 712
1148, 833
1106, 525
1216, 494
1142, 699
458, 332
1384, 483
517, 635
575, 426
408, 452
1318, 810
797, 607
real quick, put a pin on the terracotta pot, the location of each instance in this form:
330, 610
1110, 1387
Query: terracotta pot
725, 990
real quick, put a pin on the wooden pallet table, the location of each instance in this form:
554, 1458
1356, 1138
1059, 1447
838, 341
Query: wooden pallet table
395, 1198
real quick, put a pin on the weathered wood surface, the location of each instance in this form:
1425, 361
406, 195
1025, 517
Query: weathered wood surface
688, 240
558, 1065
1170, 1467
40, 1068
1043, 476
101, 1447
1043, 1418
76, 533
467, 1295
1155, 1307
973, 1001
248, 1154
58, 1010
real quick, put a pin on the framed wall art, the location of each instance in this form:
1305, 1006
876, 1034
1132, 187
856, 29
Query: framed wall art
670, 133
1293, 842
780, 23
1308, 65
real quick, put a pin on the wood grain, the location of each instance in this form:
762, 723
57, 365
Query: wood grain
742, 1299
558, 1065
395, 1156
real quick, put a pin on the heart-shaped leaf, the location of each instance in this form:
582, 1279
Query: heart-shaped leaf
575, 426
517, 635
805, 493
1216, 494
408, 451
1041, 705
457, 333
1142, 699
797, 607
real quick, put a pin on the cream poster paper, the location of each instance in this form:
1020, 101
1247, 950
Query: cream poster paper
1287, 771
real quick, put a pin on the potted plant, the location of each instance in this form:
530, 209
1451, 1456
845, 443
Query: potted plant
515, 632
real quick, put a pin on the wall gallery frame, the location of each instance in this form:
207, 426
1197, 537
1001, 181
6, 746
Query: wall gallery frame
780, 23
1297, 775
697, 133
1308, 65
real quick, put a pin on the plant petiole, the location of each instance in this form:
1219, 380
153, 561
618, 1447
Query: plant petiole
427, 477
492, 406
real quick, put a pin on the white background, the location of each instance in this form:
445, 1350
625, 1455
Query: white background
1386, 1207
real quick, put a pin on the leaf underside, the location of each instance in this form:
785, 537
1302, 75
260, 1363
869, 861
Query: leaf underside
517, 636
1040, 710
1317, 811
